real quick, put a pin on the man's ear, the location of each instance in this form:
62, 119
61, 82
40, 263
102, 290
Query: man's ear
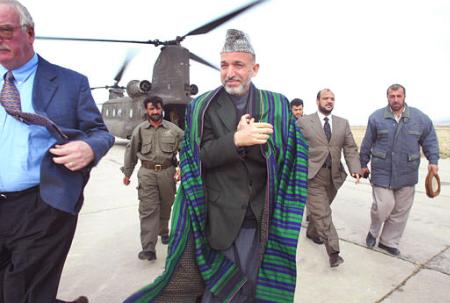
255, 69
30, 32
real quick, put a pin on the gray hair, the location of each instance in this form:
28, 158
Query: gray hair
22, 11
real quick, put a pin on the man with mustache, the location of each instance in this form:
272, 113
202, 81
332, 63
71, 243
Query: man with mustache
328, 136
155, 142
242, 194
392, 142
52, 135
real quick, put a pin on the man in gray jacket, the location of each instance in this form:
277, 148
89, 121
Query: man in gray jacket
392, 143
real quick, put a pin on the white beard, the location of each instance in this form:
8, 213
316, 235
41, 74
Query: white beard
235, 91
238, 90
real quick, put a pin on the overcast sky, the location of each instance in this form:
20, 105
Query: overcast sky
356, 48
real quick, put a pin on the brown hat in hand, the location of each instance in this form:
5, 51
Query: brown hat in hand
432, 185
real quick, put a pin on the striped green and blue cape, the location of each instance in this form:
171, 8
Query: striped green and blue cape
286, 153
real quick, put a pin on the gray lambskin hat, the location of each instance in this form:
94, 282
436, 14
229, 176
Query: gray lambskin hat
237, 41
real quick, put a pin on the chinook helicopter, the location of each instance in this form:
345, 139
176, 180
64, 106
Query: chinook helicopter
170, 80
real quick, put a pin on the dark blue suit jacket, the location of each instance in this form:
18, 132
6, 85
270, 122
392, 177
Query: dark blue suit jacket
64, 96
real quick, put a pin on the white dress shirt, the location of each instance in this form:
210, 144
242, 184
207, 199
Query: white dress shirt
330, 119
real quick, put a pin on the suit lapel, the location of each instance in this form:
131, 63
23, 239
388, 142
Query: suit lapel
316, 125
336, 128
226, 111
44, 86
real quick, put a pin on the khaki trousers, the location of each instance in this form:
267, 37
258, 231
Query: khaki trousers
390, 210
156, 193
321, 193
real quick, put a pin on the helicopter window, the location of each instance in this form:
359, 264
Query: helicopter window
131, 113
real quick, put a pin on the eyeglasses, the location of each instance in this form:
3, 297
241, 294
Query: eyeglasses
7, 31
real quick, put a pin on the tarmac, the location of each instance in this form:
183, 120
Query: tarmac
103, 264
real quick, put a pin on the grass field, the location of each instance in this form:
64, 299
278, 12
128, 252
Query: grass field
443, 133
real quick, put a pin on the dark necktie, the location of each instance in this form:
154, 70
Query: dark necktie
327, 130
10, 100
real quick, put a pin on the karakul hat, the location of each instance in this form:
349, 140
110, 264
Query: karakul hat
237, 41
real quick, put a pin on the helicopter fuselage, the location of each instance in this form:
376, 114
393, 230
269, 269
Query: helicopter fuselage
170, 82
122, 115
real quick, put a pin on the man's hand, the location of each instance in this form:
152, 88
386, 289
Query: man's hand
126, 180
357, 177
365, 172
74, 155
251, 133
245, 120
177, 176
433, 168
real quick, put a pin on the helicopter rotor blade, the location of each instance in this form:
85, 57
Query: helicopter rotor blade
202, 61
108, 87
97, 87
128, 58
198, 31
215, 23
154, 42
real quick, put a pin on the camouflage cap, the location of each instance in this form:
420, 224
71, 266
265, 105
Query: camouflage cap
237, 41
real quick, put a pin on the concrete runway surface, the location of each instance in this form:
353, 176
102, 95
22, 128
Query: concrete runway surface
103, 264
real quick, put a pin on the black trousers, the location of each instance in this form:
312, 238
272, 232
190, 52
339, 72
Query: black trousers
34, 242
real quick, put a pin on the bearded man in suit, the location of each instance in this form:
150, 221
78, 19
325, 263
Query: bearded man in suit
327, 135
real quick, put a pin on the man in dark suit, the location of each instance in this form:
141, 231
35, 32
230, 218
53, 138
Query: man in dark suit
233, 165
327, 135
52, 134
242, 193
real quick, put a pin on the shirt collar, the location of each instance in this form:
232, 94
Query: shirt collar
22, 73
163, 124
321, 116
388, 113
404, 107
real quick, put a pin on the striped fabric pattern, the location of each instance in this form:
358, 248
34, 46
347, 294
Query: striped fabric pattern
286, 153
